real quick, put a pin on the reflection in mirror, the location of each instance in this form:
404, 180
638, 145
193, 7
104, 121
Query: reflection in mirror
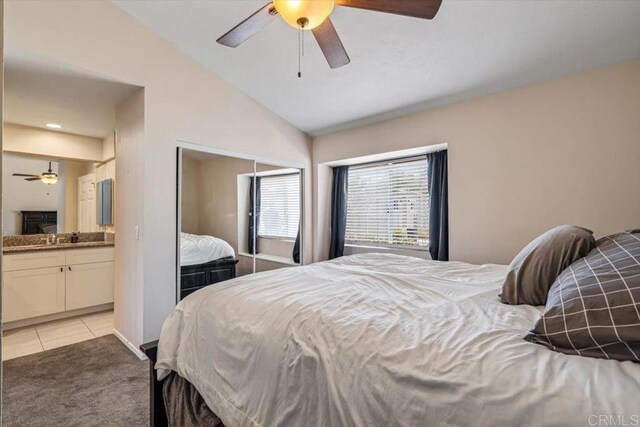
278, 203
214, 239
36, 201
236, 218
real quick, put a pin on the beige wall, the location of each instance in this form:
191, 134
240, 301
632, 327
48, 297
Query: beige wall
218, 197
109, 147
129, 294
182, 101
29, 140
190, 185
565, 151
210, 197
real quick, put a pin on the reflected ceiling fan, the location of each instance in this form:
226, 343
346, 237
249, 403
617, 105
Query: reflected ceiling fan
49, 177
313, 15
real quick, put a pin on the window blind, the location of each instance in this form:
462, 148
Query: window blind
388, 204
279, 206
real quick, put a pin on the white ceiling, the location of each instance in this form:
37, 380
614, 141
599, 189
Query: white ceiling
399, 64
38, 91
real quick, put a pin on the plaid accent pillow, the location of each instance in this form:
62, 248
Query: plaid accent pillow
593, 307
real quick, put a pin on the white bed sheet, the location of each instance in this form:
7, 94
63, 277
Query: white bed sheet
377, 340
196, 249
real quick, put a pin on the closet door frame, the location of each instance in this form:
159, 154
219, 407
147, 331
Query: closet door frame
185, 145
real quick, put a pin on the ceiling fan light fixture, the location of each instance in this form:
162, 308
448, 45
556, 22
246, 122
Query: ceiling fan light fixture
49, 178
313, 11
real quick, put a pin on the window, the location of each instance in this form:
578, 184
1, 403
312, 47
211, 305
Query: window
388, 204
279, 206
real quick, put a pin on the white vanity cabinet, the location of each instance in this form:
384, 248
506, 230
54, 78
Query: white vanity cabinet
49, 282
89, 277
32, 293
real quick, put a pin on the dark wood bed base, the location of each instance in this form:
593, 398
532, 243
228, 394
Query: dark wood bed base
194, 277
157, 411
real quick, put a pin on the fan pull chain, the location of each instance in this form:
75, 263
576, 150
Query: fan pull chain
299, 67
302, 23
300, 51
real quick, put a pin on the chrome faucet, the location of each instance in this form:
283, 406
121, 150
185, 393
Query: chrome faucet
52, 240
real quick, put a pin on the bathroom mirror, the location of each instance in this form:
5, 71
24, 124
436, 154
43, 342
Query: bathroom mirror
64, 202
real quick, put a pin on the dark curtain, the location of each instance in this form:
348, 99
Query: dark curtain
338, 211
296, 248
254, 210
438, 206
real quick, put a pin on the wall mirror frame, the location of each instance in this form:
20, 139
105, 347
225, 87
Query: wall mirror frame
258, 212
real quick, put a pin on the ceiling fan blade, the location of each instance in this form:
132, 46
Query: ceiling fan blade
330, 44
37, 178
247, 28
24, 174
425, 9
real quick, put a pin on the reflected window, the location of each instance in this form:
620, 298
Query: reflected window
279, 206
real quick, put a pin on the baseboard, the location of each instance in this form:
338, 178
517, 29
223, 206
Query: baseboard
56, 316
135, 350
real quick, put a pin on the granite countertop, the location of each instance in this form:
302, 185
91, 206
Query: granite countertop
33, 242
57, 247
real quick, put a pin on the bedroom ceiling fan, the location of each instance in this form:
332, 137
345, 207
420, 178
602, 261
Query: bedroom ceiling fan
313, 15
48, 177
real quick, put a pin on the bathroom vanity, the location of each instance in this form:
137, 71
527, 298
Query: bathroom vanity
45, 282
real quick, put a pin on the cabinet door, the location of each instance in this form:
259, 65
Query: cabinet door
31, 293
89, 285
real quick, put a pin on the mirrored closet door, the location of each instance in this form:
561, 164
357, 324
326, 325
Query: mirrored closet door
235, 217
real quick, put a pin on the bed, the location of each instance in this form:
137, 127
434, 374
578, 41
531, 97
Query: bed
379, 339
204, 260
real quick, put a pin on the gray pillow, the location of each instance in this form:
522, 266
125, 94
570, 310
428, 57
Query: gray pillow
594, 305
536, 267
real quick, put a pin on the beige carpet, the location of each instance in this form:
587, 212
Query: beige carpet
92, 383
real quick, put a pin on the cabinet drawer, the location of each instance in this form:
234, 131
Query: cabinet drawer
31, 293
87, 256
193, 280
32, 260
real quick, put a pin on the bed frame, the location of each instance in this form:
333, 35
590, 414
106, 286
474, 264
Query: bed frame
194, 277
157, 411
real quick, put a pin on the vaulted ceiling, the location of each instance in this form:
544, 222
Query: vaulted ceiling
399, 64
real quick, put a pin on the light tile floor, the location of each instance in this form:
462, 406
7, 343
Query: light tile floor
47, 336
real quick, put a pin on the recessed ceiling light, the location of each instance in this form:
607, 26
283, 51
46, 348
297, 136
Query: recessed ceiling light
53, 126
